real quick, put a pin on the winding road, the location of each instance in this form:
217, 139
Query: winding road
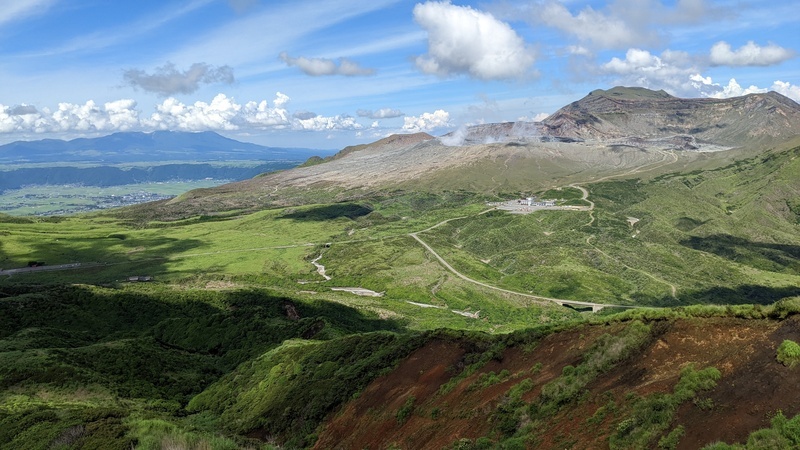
572, 303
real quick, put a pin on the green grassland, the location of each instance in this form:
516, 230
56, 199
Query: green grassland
240, 335
725, 235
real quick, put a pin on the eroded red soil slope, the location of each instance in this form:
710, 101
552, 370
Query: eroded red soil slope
409, 408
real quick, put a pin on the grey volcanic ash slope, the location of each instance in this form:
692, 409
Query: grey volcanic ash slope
621, 131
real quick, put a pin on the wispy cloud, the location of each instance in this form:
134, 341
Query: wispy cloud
117, 35
596, 28
17, 9
244, 41
167, 80
242, 5
391, 41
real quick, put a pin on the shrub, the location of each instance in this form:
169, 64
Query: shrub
653, 414
789, 353
607, 351
766, 439
405, 411
670, 441
784, 433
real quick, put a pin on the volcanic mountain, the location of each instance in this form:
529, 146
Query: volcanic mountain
605, 134
641, 113
645, 118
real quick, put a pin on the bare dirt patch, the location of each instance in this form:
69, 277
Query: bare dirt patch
359, 291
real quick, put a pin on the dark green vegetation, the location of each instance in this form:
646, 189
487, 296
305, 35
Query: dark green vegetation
99, 368
145, 365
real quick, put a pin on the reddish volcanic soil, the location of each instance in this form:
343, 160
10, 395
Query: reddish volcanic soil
753, 387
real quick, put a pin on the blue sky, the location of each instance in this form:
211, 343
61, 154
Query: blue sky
327, 74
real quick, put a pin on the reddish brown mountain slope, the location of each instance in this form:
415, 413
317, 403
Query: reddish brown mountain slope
752, 388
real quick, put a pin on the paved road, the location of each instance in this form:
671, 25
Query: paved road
595, 306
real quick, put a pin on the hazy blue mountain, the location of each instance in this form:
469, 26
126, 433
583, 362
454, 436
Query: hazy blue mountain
110, 175
156, 146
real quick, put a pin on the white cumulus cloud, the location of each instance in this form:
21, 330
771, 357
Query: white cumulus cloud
733, 89
750, 54
427, 121
122, 114
20, 118
261, 115
220, 114
707, 88
223, 113
323, 66
680, 74
323, 123
540, 117
787, 89
670, 71
462, 40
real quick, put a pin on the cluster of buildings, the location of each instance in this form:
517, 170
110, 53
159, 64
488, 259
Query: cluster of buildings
532, 201
526, 205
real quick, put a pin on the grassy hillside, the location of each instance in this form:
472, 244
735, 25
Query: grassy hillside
723, 235
253, 334
726, 235
86, 367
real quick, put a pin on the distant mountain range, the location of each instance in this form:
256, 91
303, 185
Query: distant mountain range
158, 146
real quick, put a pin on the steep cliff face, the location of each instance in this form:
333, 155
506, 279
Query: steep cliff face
624, 112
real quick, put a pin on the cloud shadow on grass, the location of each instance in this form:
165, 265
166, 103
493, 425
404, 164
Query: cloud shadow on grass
328, 212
